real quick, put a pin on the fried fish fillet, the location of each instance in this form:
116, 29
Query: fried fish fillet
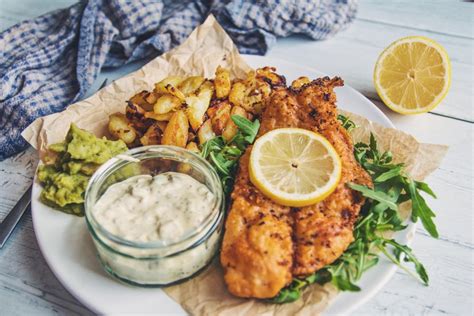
265, 244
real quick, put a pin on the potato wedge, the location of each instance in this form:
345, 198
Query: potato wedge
254, 103
220, 118
160, 87
161, 124
159, 117
120, 128
222, 82
237, 93
230, 128
205, 132
151, 98
198, 104
140, 98
176, 132
152, 135
166, 103
192, 146
191, 85
136, 116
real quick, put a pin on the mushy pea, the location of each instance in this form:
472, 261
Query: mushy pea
65, 180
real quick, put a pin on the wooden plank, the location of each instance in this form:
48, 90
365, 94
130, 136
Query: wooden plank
26, 279
21, 259
14, 11
352, 55
27, 286
453, 18
454, 178
449, 293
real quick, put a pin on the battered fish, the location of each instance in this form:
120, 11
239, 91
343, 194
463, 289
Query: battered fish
265, 244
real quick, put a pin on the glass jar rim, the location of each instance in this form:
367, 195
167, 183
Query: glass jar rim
153, 151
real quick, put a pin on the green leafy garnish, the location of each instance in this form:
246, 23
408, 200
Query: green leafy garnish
379, 215
224, 156
347, 123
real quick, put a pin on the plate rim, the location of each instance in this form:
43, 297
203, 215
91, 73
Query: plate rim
408, 234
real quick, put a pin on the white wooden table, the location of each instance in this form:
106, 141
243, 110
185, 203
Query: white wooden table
27, 286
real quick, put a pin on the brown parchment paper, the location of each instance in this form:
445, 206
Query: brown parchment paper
206, 48
207, 295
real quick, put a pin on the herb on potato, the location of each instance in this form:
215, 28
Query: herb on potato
392, 186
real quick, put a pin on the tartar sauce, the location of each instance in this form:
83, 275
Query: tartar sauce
148, 208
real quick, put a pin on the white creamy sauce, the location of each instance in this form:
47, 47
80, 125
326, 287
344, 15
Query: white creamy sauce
149, 208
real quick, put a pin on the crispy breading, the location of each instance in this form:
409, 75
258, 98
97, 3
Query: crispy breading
257, 252
266, 244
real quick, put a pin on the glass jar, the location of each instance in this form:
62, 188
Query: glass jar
161, 262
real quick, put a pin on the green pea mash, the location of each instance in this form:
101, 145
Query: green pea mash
65, 180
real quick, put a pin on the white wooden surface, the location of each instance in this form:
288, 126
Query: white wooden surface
28, 287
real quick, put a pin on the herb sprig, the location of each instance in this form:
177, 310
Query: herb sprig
379, 215
224, 156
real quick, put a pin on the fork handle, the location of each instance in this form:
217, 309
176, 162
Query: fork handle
10, 221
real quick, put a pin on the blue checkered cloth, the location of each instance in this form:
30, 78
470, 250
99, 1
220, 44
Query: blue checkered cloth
51, 61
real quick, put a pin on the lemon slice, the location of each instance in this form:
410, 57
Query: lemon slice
413, 75
294, 167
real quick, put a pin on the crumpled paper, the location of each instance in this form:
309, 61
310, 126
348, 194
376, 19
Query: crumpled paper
207, 295
206, 48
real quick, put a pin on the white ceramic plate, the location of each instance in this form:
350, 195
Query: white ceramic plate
68, 249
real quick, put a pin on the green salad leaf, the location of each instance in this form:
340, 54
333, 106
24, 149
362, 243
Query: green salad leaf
224, 156
379, 215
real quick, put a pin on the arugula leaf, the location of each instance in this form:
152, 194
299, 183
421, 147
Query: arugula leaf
420, 209
379, 196
389, 174
379, 214
406, 251
224, 156
346, 122
248, 128
425, 188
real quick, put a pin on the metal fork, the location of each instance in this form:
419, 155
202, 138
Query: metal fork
13, 217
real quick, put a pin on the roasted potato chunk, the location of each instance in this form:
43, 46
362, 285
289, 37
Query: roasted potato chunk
230, 128
192, 146
222, 82
254, 103
151, 98
198, 104
136, 116
175, 92
205, 133
191, 84
176, 132
161, 124
220, 118
152, 135
174, 81
238, 93
142, 99
120, 128
159, 117
166, 103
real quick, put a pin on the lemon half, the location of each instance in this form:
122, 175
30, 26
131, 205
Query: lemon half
294, 167
413, 75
